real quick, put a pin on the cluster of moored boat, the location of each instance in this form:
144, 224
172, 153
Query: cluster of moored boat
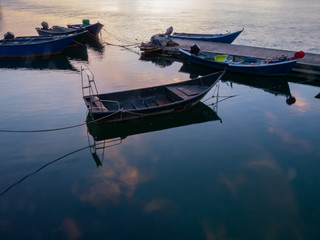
132, 104
279, 66
49, 40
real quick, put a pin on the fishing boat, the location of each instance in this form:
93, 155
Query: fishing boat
156, 43
57, 30
81, 35
267, 67
222, 38
33, 46
144, 102
93, 29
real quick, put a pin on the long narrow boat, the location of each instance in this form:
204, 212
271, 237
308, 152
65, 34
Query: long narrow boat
144, 102
266, 67
94, 29
82, 35
34, 46
58, 30
223, 38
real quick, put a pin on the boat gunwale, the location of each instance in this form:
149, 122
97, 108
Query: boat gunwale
160, 86
200, 35
35, 41
234, 64
165, 107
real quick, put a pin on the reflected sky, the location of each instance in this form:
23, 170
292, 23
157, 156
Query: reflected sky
252, 173
266, 23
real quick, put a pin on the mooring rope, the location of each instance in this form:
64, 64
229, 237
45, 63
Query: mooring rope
39, 169
60, 158
41, 130
69, 127
57, 129
127, 43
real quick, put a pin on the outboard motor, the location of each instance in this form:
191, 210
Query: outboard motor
8, 35
45, 25
195, 49
169, 31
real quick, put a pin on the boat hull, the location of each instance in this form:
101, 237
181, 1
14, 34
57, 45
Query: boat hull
93, 29
146, 102
51, 32
35, 46
222, 38
280, 68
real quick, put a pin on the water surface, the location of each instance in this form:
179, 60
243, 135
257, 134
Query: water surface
242, 165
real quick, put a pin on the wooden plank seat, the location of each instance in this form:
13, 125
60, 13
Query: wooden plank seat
138, 103
185, 92
162, 100
149, 102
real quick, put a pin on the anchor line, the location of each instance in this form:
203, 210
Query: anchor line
39, 169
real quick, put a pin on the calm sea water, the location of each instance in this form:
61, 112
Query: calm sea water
243, 165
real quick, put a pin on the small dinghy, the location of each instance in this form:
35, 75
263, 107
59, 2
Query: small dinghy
144, 102
267, 67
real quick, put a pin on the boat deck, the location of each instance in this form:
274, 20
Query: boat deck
309, 64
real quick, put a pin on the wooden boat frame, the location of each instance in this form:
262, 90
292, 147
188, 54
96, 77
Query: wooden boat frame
144, 102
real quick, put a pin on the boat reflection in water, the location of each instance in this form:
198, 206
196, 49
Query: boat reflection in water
57, 62
96, 44
111, 134
274, 85
78, 52
158, 60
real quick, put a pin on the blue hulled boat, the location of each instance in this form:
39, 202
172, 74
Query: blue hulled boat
267, 67
223, 38
34, 46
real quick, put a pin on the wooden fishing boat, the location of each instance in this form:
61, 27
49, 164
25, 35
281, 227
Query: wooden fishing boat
267, 67
81, 37
138, 103
93, 29
33, 46
223, 38
150, 47
58, 30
